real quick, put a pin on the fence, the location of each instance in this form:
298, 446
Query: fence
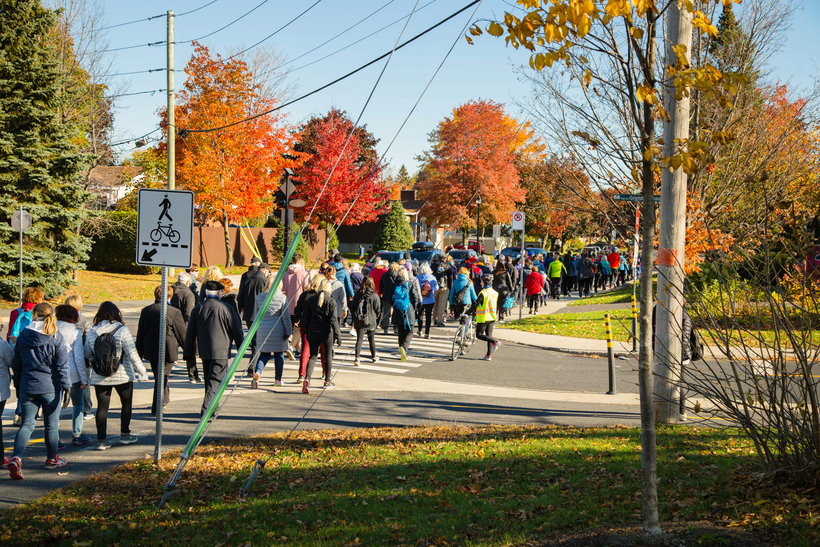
209, 245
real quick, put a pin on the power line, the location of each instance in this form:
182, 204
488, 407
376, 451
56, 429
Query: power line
231, 23
137, 138
155, 17
337, 80
196, 9
150, 92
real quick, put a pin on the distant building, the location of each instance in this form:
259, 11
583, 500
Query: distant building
109, 185
350, 237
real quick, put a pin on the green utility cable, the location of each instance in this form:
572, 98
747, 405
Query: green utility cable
195, 439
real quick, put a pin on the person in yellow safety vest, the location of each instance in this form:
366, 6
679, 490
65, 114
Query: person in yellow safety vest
486, 315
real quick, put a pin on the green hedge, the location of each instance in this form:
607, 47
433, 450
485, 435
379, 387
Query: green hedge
115, 251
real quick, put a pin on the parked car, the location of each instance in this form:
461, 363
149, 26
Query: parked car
425, 255
388, 256
470, 245
513, 252
592, 249
460, 255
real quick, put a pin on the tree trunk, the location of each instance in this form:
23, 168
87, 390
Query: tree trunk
649, 455
228, 249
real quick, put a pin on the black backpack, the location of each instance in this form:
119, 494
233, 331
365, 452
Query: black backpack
106, 362
360, 312
458, 298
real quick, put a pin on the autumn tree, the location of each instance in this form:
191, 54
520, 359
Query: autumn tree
474, 152
356, 175
234, 171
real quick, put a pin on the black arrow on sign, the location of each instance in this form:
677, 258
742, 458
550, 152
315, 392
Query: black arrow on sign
146, 255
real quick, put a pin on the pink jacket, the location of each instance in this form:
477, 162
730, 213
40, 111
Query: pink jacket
294, 282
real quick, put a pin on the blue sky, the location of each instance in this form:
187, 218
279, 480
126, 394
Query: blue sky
483, 70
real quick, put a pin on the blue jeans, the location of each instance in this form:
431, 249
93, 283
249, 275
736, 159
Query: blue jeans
50, 404
278, 363
77, 400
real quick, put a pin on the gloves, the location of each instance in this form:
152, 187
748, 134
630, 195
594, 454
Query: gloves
66, 398
339, 342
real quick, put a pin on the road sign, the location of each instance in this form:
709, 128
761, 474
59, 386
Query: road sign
165, 228
634, 197
20, 220
518, 220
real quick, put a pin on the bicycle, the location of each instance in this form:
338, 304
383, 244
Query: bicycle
464, 338
160, 230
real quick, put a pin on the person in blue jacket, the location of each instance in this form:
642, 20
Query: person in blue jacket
462, 293
343, 276
41, 374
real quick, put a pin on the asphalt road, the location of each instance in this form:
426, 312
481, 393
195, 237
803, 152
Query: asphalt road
521, 385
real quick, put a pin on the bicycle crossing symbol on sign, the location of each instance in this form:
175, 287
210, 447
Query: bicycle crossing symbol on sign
165, 228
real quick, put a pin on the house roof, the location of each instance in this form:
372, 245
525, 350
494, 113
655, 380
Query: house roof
109, 176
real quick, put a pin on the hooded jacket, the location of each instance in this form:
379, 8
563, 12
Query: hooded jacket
373, 310
343, 276
294, 283
183, 300
319, 320
377, 273
40, 362
461, 281
6, 355
213, 326
246, 299
73, 339
586, 269
131, 366
275, 327
534, 283
388, 284
428, 278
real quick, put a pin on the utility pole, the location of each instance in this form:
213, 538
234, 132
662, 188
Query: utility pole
672, 233
159, 377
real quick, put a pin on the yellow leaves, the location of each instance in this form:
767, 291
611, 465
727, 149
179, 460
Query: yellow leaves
494, 29
617, 8
644, 93
636, 33
702, 23
587, 137
587, 77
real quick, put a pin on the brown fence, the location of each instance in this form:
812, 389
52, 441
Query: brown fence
209, 245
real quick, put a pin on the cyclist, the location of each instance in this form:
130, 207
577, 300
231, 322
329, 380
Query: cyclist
462, 293
486, 314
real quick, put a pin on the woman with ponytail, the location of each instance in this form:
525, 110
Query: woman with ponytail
41, 373
322, 324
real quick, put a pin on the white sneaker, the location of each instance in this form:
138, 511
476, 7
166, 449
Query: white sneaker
375, 359
289, 353
356, 363
352, 332
403, 354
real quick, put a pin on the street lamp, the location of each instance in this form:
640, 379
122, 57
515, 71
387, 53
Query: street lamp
477, 226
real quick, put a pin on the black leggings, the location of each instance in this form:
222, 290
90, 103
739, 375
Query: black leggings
325, 341
371, 339
126, 394
426, 311
2, 446
583, 288
484, 331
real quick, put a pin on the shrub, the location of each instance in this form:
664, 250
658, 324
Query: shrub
115, 249
394, 232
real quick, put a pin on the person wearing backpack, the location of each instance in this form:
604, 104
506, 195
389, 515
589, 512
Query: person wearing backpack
366, 306
502, 284
6, 355
19, 319
41, 375
404, 297
463, 294
427, 289
535, 285
444, 278
301, 323
322, 324
115, 365
386, 285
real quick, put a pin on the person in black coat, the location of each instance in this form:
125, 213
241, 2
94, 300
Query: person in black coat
147, 342
253, 269
184, 299
213, 326
366, 310
319, 316
246, 300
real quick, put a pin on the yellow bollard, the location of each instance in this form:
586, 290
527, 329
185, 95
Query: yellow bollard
634, 324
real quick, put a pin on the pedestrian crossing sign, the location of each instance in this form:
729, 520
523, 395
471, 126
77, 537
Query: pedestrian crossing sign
165, 228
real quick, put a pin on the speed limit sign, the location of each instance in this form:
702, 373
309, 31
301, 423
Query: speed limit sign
518, 220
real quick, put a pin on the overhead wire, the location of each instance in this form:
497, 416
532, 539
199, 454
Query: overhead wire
259, 5
337, 80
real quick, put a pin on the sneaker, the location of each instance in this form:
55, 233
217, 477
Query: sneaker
16, 469
18, 420
88, 416
488, 357
385, 331
403, 354
375, 359
426, 336
496, 345
352, 332
329, 385
290, 354
255, 381
278, 383
300, 380
306, 386
5, 463
127, 438
80, 440
357, 363
60, 445
56, 463
103, 445
191, 380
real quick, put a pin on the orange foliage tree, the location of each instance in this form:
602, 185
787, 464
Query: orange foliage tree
474, 151
321, 140
233, 172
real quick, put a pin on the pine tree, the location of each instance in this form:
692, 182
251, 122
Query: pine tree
394, 232
39, 163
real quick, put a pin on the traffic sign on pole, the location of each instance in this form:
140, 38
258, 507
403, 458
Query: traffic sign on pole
637, 198
165, 228
518, 220
21, 220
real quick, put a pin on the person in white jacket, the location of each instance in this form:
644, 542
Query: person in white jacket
67, 319
6, 355
131, 369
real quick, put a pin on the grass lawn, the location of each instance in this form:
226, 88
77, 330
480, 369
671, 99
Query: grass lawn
578, 325
619, 296
489, 485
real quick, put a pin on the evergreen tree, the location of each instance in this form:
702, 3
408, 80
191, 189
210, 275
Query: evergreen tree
39, 163
394, 232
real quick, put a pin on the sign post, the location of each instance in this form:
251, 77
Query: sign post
518, 224
635, 198
165, 236
21, 221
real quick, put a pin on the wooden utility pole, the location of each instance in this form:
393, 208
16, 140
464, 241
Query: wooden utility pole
672, 232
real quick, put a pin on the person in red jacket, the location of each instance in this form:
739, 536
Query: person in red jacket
377, 272
535, 284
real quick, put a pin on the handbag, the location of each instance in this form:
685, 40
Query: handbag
509, 302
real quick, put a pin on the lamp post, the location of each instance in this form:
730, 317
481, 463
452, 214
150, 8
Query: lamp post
477, 226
